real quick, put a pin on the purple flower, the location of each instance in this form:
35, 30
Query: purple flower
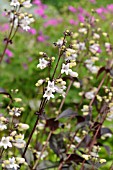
42, 38
110, 7
53, 22
93, 1
37, 2
99, 10
81, 18
81, 10
41, 12
9, 53
4, 27
25, 66
30, 59
72, 9
73, 22
32, 31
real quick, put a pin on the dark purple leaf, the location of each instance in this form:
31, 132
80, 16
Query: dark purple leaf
52, 124
100, 71
75, 158
67, 113
105, 130
57, 144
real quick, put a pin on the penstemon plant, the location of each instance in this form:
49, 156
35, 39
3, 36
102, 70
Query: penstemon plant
74, 138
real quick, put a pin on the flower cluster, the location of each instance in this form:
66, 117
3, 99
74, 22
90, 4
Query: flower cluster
58, 85
12, 135
18, 18
13, 163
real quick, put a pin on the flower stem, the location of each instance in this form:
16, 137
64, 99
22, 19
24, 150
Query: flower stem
31, 134
43, 149
7, 42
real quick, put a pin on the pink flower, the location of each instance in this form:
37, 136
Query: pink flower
93, 1
110, 7
81, 18
9, 53
42, 37
37, 2
4, 27
99, 10
72, 9
53, 22
81, 10
25, 66
32, 31
41, 12
73, 22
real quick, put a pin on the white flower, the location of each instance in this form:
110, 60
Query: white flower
107, 45
45, 153
25, 22
81, 46
19, 142
59, 43
42, 63
96, 36
70, 54
15, 111
40, 126
89, 95
5, 142
86, 157
15, 3
39, 83
102, 161
20, 160
48, 94
12, 164
94, 48
14, 19
23, 126
110, 116
94, 69
27, 4
2, 126
65, 69
60, 89
51, 86
89, 61
77, 139
72, 73
82, 30
94, 154
76, 84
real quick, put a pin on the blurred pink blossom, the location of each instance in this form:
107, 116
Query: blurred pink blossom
32, 31
81, 10
110, 7
41, 12
100, 10
72, 9
25, 66
37, 2
42, 37
9, 53
4, 27
93, 1
73, 22
53, 22
81, 18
